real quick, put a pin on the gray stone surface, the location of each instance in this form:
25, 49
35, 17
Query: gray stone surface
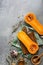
9, 11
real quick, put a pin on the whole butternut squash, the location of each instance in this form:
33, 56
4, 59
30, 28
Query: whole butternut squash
31, 46
30, 18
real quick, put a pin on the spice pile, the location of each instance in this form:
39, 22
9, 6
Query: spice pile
19, 55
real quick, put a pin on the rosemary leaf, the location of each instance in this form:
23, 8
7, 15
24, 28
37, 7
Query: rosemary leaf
16, 45
39, 40
15, 40
29, 56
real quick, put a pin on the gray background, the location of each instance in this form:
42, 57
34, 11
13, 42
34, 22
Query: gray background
9, 11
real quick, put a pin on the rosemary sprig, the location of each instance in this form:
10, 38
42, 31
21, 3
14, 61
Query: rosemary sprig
16, 26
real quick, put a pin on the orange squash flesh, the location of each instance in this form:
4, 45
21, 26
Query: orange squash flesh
31, 46
30, 18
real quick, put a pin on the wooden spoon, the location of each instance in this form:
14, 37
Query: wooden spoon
36, 59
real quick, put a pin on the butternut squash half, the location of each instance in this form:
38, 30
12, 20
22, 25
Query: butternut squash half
31, 46
30, 18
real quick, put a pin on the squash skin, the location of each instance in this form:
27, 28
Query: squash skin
30, 19
31, 46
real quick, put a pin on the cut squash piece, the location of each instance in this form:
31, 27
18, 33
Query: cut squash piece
31, 46
30, 19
